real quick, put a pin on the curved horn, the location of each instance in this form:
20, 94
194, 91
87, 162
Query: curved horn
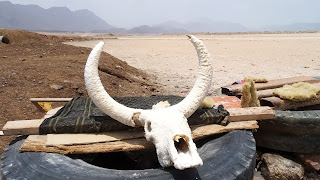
100, 97
130, 116
193, 100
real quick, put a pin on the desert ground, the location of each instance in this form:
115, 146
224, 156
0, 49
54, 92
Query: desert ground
140, 65
173, 60
37, 65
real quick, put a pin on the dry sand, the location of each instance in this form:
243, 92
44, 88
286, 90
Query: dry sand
173, 59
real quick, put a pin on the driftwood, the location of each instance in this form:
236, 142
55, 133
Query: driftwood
236, 89
281, 104
37, 143
31, 127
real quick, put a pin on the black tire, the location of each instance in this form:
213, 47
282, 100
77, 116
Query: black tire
230, 156
5, 39
291, 131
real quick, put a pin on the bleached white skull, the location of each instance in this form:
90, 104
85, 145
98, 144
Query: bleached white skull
167, 128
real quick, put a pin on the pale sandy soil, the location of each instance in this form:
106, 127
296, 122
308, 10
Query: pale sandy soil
173, 59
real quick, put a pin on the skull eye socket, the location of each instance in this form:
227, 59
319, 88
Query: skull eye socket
181, 143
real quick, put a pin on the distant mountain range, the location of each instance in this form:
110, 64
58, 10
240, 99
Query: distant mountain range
205, 25
35, 18
294, 27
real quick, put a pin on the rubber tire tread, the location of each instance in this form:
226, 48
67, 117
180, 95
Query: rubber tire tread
230, 156
291, 131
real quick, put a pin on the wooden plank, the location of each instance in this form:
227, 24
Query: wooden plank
265, 93
281, 104
26, 127
235, 89
50, 99
197, 132
36, 104
72, 139
22, 127
251, 113
36, 100
204, 131
37, 143
31, 127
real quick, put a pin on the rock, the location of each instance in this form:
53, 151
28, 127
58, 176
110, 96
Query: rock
257, 176
119, 67
79, 91
311, 161
56, 86
4, 56
275, 167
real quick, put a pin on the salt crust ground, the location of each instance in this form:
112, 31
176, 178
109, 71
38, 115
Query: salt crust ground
173, 59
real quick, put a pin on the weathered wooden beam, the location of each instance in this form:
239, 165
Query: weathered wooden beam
38, 143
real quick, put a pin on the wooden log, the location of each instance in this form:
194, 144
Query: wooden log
37, 143
31, 127
235, 89
281, 104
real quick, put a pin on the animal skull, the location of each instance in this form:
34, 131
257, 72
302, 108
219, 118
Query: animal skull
167, 128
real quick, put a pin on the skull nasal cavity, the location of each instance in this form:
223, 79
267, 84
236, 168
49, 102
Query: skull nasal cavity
181, 144
149, 126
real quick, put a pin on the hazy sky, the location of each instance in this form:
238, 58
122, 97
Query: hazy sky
250, 13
